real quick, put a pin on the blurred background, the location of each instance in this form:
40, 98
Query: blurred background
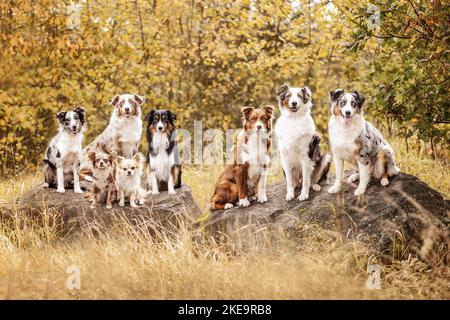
205, 59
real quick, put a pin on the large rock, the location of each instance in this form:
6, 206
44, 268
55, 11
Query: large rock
407, 216
72, 211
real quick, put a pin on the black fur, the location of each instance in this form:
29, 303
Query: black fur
281, 93
336, 94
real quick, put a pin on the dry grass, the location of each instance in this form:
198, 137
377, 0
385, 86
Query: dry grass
126, 263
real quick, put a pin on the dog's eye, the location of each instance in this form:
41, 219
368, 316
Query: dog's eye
132, 168
124, 169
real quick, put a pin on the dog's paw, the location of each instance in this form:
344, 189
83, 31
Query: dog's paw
334, 189
316, 187
228, 206
155, 192
121, 203
244, 202
359, 191
303, 196
353, 178
108, 206
45, 185
290, 196
141, 202
78, 190
172, 192
384, 182
61, 190
262, 198
133, 204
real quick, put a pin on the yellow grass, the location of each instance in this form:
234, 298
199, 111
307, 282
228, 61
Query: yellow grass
126, 263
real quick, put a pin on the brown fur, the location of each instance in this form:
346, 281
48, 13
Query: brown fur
232, 185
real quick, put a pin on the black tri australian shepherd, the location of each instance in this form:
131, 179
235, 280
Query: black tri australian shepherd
163, 157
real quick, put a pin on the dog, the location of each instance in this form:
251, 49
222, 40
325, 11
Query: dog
301, 157
123, 133
62, 157
247, 176
163, 157
128, 179
103, 171
355, 140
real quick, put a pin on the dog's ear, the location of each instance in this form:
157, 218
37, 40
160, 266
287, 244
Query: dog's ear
118, 160
139, 158
172, 116
149, 116
281, 92
336, 94
360, 98
139, 99
269, 109
81, 113
246, 112
306, 94
91, 156
61, 116
114, 101
112, 156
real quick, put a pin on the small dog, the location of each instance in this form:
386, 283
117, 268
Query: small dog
128, 179
357, 141
62, 158
162, 156
103, 187
300, 154
123, 134
247, 176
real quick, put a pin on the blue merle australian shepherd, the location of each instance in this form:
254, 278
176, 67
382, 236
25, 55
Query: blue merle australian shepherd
62, 158
355, 140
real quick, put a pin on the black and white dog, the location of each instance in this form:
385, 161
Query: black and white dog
355, 140
301, 157
163, 157
62, 158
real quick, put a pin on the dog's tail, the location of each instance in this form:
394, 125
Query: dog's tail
86, 174
321, 170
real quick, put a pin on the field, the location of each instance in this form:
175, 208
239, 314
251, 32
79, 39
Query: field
125, 263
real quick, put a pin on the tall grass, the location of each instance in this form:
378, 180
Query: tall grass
126, 262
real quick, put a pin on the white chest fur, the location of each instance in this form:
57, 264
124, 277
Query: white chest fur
161, 162
101, 178
294, 133
342, 137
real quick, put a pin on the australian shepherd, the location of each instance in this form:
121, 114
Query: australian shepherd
62, 158
163, 158
247, 176
123, 134
357, 141
301, 157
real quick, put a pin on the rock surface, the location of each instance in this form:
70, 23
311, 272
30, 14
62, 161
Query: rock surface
394, 220
74, 211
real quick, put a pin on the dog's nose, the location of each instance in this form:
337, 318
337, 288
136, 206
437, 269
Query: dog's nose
348, 113
74, 128
160, 128
129, 173
259, 127
127, 110
294, 103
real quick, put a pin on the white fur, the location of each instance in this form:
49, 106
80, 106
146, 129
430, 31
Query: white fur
294, 132
69, 147
162, 163
129, 186
256, 154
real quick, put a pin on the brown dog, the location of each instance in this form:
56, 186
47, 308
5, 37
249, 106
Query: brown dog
246, 177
